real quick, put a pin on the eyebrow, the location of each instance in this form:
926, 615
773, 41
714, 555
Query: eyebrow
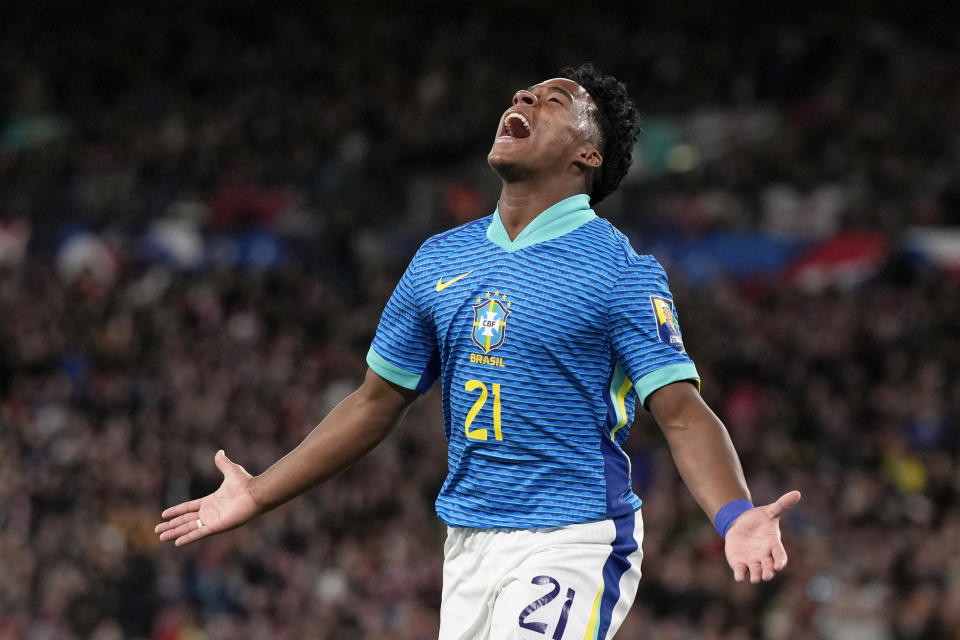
557, 89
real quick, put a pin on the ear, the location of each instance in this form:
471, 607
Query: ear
588, 158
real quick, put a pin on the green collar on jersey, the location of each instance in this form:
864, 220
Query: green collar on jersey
558, 220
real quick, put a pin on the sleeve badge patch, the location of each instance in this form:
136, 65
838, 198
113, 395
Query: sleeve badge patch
667, 328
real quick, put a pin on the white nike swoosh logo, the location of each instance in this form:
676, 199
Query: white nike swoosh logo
441, 285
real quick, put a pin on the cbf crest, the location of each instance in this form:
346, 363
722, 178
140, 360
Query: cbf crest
490, 321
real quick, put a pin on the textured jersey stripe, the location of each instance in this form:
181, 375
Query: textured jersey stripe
525, 342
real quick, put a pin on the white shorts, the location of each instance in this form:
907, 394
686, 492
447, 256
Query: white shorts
565, 583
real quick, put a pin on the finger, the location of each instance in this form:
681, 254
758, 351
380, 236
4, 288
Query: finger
183, 507
185, 525
739, 572
176, 532
783, 504
162, 526
180, 520
171, 524
779, 557
755, 572
224, 464
766, 569
196, 534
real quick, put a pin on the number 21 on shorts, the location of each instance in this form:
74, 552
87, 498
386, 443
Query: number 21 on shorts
481, 434
547, 598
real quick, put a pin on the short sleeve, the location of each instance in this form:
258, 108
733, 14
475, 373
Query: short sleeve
404, 349
644, 329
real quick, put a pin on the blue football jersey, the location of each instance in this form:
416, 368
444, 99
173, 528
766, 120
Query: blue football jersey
543, 345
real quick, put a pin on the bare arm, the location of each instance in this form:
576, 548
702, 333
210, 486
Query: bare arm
700, 446
709, 465
353, 428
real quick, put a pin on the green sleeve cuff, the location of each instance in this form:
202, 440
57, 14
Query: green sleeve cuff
391, 372
662, 377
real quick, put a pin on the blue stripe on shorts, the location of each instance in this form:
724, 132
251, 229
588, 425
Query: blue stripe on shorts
613, 569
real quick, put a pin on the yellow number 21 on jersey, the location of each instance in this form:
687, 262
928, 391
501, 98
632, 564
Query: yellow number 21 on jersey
481, 434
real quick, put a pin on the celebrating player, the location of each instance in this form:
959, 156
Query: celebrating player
546, 329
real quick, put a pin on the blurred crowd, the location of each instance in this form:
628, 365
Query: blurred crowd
203, 208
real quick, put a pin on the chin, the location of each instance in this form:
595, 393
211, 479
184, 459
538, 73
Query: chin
508, 170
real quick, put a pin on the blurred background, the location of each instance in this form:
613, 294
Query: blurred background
204, 206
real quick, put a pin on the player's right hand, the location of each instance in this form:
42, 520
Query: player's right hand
226, 508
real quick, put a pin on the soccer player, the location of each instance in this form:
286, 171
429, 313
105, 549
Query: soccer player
546, 329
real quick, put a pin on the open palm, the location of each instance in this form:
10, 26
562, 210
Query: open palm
228, 507
753, 542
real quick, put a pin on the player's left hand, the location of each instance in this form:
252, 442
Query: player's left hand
753, 541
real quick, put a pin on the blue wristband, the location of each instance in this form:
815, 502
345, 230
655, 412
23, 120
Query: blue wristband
728, 513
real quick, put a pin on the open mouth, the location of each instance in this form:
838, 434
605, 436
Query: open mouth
516, 125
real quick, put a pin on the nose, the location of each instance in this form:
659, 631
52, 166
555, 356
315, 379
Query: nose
525, 97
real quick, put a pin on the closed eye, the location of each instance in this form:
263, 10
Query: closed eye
557, 100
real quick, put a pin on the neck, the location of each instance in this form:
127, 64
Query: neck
521, 202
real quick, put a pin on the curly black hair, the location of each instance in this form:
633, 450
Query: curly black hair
618, 120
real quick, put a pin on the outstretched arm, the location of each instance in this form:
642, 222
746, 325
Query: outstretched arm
709, 465
353, 428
